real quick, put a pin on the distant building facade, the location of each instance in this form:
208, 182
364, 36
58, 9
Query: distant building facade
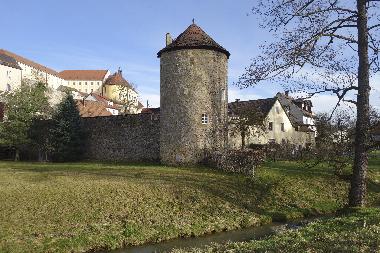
15, 69
11, 76
119, 90
87, 81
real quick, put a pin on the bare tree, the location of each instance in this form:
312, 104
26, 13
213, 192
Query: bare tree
324, 46
247, 121
128, 98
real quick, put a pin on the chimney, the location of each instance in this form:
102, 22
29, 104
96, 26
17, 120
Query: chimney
169, 39
237, 100
119, 71
287, 93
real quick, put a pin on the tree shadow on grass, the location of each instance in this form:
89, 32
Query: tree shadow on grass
243, 192
250, 194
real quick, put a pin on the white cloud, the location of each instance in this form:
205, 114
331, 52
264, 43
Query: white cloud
242, 94
152, 98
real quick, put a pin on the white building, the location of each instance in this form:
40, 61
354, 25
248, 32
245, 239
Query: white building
279, 120
15, 69
28, 71
10, 73
87, 81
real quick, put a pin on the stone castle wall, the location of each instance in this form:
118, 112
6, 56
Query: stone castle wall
123, 138
193, 82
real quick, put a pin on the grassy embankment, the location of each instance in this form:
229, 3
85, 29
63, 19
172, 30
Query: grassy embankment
355, 232
81, 207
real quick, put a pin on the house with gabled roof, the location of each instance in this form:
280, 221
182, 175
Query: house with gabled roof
277, 121
118, 89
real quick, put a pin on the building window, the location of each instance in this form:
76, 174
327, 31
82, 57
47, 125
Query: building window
98, 83
92, 90
277, 110
73, 83
223, 95
283, 127
80, 83
85, 83
92, 83
204, 118
9, 88
270, 127
272, 141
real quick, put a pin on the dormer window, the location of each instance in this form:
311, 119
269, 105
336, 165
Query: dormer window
204, 119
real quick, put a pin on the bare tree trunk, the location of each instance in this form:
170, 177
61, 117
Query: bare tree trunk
242, 139
17, 155
358, 182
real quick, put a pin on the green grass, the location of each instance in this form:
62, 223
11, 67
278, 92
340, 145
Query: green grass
355, 232
85, 206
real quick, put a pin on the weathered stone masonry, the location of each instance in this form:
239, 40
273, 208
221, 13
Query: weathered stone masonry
123, 138
193, 103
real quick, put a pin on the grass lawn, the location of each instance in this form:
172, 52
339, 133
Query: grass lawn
355, 232
85, 206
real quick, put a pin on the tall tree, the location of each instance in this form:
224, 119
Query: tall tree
67, 136
22, 106
324, 46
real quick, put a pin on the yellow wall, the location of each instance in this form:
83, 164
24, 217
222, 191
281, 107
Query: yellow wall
127, 96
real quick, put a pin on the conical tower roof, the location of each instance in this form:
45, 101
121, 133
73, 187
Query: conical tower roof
194, 38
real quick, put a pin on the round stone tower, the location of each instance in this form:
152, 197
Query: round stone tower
193, 88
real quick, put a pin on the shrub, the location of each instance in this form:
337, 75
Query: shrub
236, 161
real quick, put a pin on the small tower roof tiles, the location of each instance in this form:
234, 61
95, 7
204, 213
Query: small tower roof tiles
193, 38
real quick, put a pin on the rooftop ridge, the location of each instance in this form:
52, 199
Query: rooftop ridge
30, 62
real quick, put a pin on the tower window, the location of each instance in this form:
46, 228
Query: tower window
204, 118
223, 94
270, 126
283, 127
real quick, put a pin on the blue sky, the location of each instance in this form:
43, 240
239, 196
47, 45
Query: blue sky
101, 34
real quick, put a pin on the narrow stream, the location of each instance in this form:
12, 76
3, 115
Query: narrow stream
240, 235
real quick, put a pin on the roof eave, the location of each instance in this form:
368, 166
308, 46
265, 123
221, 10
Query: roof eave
169, 49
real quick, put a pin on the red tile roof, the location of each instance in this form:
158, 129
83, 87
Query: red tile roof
9, 61
105, 101
194, 38
151, 110
29, 62
92, 109
90, 75
117, 79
